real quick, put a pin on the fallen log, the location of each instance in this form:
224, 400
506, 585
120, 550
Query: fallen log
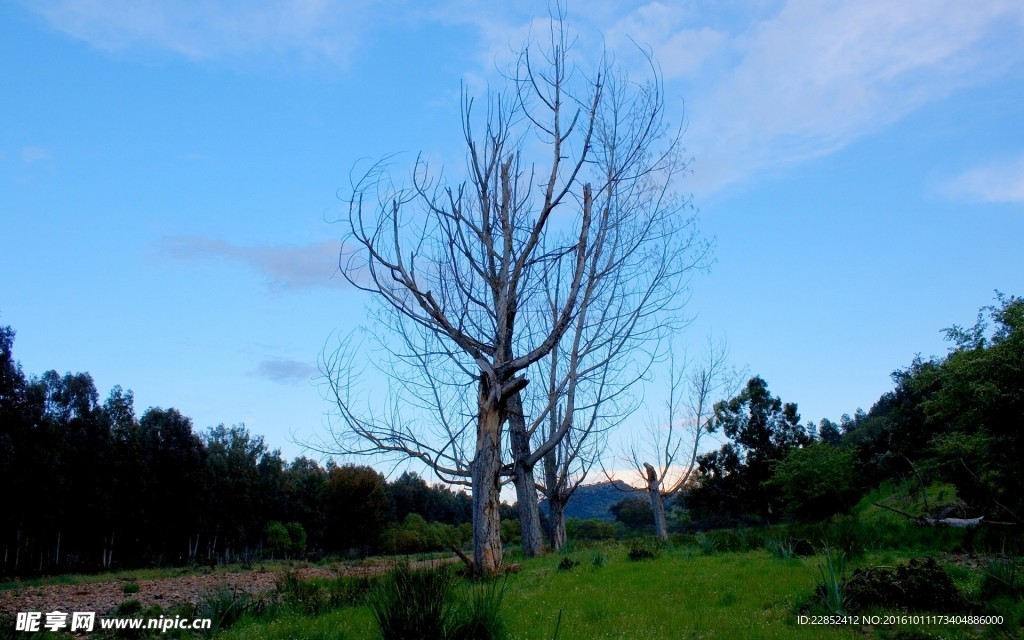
961, 523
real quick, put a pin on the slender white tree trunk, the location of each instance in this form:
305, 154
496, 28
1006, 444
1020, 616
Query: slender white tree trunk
657, 502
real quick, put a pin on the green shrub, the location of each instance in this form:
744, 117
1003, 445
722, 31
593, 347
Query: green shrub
128, 608
592, 529
278, 542
130, 587
416, 535
708, 544
644, 549
296, 537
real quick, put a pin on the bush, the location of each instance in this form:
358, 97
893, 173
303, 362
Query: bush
591, 529
416, 535
511, 533
644, 549
707, 543
296, 537
284, 539
635, 513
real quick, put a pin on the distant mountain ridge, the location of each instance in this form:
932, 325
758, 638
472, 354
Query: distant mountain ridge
594, 500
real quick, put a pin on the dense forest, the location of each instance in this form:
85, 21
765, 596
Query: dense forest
89, 485
957, 419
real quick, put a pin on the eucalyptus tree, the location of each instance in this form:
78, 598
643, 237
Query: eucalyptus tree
567, 173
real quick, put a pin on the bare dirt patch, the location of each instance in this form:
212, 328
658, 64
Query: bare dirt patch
103, 597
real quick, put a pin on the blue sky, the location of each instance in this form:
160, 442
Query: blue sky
168, 171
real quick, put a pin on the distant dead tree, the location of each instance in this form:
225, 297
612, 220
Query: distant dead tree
673, 442
464, 277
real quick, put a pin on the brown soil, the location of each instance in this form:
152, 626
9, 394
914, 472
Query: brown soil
103, 597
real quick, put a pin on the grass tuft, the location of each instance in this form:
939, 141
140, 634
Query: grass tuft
832, 574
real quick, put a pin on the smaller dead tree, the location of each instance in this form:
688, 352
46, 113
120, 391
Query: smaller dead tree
674, 445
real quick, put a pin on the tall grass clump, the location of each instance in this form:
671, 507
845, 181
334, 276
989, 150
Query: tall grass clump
317, 596
781, 548
831, 588
426, 604
225, 607
479, 615
413, 604
1002, 578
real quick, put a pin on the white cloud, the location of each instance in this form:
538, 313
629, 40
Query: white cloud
284, 266
285, 371
817, 76
211, 30
997, 182
31, 155
681, 47
772, 84
767, 84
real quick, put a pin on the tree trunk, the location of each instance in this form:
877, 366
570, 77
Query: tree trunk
522, 478
657, 503
556, 518
486, 478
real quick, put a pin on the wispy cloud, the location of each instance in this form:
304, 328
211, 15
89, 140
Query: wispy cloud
285, 267
32, 155
768, 84
816, 76
285, 371
994, 182
771, 84
213, 30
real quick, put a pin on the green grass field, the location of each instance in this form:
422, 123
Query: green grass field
682, 594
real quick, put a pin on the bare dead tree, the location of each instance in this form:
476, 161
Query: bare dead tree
458, 274
673, 445
633, 289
